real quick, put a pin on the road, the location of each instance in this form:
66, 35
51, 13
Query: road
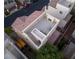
25, 11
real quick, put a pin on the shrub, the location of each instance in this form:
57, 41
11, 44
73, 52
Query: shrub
8, 30
49, 52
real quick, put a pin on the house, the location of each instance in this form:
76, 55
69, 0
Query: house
56, 13
40, 25
65, 6
11, 6
11, 3
35, 28
61, 10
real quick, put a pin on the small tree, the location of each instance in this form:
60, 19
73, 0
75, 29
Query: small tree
49, 52
8, 30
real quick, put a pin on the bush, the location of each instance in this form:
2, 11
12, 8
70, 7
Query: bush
49, 52
8, 30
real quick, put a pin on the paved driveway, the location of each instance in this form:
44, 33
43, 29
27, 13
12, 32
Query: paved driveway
25, 11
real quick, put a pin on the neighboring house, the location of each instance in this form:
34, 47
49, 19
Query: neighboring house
65, 6
58, 14
35, 28
11, 6
61, 10
10, 50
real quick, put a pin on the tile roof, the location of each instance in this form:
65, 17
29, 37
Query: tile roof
22, 22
